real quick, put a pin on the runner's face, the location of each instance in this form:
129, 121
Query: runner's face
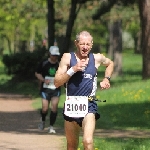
54, 57
84, 45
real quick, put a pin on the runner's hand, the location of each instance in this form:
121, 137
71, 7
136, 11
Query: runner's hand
47, 81
80, 66
105, 84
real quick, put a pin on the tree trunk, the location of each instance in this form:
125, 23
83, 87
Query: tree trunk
9, 44
72, 17
116, 47
144, 8
137, 43
110, 51
51, 22
22, 45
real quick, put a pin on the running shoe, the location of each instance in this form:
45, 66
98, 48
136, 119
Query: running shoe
51, 130
41, 125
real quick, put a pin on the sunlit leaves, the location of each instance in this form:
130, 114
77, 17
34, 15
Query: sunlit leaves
16, 16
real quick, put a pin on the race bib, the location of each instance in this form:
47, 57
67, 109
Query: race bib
51, 84
76, 106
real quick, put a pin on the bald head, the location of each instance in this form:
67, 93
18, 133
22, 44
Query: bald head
83, 33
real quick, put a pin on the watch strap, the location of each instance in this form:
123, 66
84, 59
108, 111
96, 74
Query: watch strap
108, 78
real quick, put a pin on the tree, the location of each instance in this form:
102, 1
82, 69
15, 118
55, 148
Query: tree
72, 16
115, 50
144, 8
18, 21
144, 11
51, 22
79, 19
115, 34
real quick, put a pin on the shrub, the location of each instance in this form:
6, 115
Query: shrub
23, 65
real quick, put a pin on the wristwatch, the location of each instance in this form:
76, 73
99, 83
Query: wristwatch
108, 78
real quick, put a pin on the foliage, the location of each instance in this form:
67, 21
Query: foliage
107, 5
85, 22
23, 64
128, 14
19, 19
32, 16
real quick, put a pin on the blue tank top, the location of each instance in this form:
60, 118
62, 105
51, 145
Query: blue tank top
83, 83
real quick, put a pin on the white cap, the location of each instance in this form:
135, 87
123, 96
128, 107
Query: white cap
54, 50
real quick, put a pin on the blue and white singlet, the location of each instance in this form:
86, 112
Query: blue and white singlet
83, 83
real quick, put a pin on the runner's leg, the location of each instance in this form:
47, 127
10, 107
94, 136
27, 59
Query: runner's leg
54, 107
44, 111
72, 130
45, 106
88, 127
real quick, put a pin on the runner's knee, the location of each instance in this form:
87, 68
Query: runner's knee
43, 112
87, 142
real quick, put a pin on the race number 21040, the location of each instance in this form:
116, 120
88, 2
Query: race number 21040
76, 107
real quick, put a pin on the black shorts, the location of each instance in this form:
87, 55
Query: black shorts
49, 94
92, 108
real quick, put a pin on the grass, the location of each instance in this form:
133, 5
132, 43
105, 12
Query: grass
127, 107
127, 104
120, 144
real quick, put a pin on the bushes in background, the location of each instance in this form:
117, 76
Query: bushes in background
24, 64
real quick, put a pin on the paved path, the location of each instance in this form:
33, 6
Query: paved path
18, 127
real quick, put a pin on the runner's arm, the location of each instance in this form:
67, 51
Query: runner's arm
39, 77
102, 60
61, 75
109, 66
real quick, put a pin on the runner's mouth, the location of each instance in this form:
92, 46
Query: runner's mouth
84, 52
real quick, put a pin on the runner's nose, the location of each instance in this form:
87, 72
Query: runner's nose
85, 45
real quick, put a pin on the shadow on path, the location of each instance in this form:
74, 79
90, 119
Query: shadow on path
18, 126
